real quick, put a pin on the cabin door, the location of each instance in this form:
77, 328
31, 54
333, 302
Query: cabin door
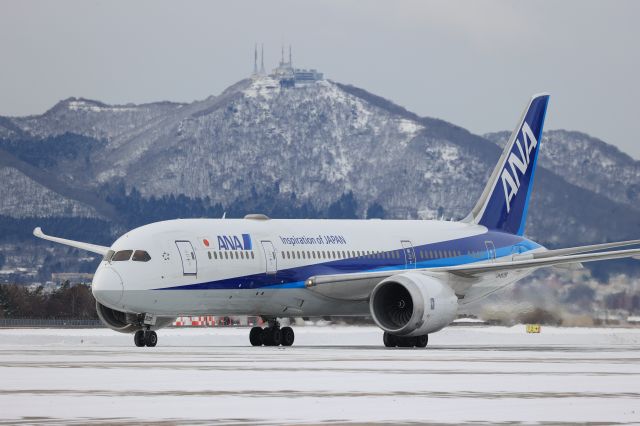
188, 256
491, 251
409, 254
270, 257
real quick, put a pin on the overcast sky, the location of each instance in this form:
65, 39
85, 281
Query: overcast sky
473, 63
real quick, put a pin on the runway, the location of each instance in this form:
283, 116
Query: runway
484, 375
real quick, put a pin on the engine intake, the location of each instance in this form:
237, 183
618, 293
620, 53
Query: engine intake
412, 304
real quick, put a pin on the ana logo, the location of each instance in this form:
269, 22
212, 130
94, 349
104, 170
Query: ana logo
232, 242
518, 161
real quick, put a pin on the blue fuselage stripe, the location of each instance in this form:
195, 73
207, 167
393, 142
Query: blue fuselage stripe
471, 249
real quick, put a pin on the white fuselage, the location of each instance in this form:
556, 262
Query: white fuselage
259, 267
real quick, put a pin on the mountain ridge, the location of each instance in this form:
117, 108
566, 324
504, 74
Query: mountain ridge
306, 147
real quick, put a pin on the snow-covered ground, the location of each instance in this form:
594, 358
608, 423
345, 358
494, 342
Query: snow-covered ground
332, 374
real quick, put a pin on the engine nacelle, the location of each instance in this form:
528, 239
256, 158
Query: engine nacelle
125, 322
412, 304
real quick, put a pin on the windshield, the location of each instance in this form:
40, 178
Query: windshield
141, 256
122, 255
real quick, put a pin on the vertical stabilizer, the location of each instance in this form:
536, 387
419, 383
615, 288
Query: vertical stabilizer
504, 202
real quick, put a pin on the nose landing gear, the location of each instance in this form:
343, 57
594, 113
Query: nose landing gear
272, 335
145, 338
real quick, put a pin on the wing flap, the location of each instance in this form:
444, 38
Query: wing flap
77, 244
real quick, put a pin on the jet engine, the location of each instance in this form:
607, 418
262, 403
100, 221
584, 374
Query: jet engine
126, 322
412, 304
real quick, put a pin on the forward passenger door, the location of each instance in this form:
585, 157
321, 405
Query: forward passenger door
188, 256
270, 257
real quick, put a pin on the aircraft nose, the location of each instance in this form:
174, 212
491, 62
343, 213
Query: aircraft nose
107, 286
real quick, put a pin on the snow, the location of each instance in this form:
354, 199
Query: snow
262, 86
409, 127
86, 106
331, 374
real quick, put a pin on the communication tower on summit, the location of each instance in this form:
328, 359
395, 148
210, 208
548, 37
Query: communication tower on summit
285, 73
262, 71
255, 59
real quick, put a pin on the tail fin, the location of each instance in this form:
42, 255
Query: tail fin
504, 202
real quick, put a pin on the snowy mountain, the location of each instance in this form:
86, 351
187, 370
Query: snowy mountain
589, 163
321, 149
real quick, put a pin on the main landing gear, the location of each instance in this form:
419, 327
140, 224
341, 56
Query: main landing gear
272, 335
145, 338
392, 341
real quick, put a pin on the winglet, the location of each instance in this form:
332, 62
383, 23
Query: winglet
94, 248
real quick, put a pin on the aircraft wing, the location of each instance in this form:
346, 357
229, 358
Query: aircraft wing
576, 250
533, 263
358, 286
77, 244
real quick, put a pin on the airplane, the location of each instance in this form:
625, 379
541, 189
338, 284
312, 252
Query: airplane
413, 277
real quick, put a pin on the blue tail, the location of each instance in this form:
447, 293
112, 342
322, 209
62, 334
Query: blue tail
504, 202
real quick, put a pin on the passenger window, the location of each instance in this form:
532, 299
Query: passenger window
208, 253
108, 255
242, 255
215, 255
252, 256
122, 255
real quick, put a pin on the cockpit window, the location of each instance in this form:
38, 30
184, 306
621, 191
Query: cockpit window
141, 256
122, 255
108, 255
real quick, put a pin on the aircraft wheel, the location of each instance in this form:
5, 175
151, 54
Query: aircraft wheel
272, 336
288, 336
421, 341
276, 336
255, 336
138, 338
390, 341
266, 336
151, 339
406, 342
